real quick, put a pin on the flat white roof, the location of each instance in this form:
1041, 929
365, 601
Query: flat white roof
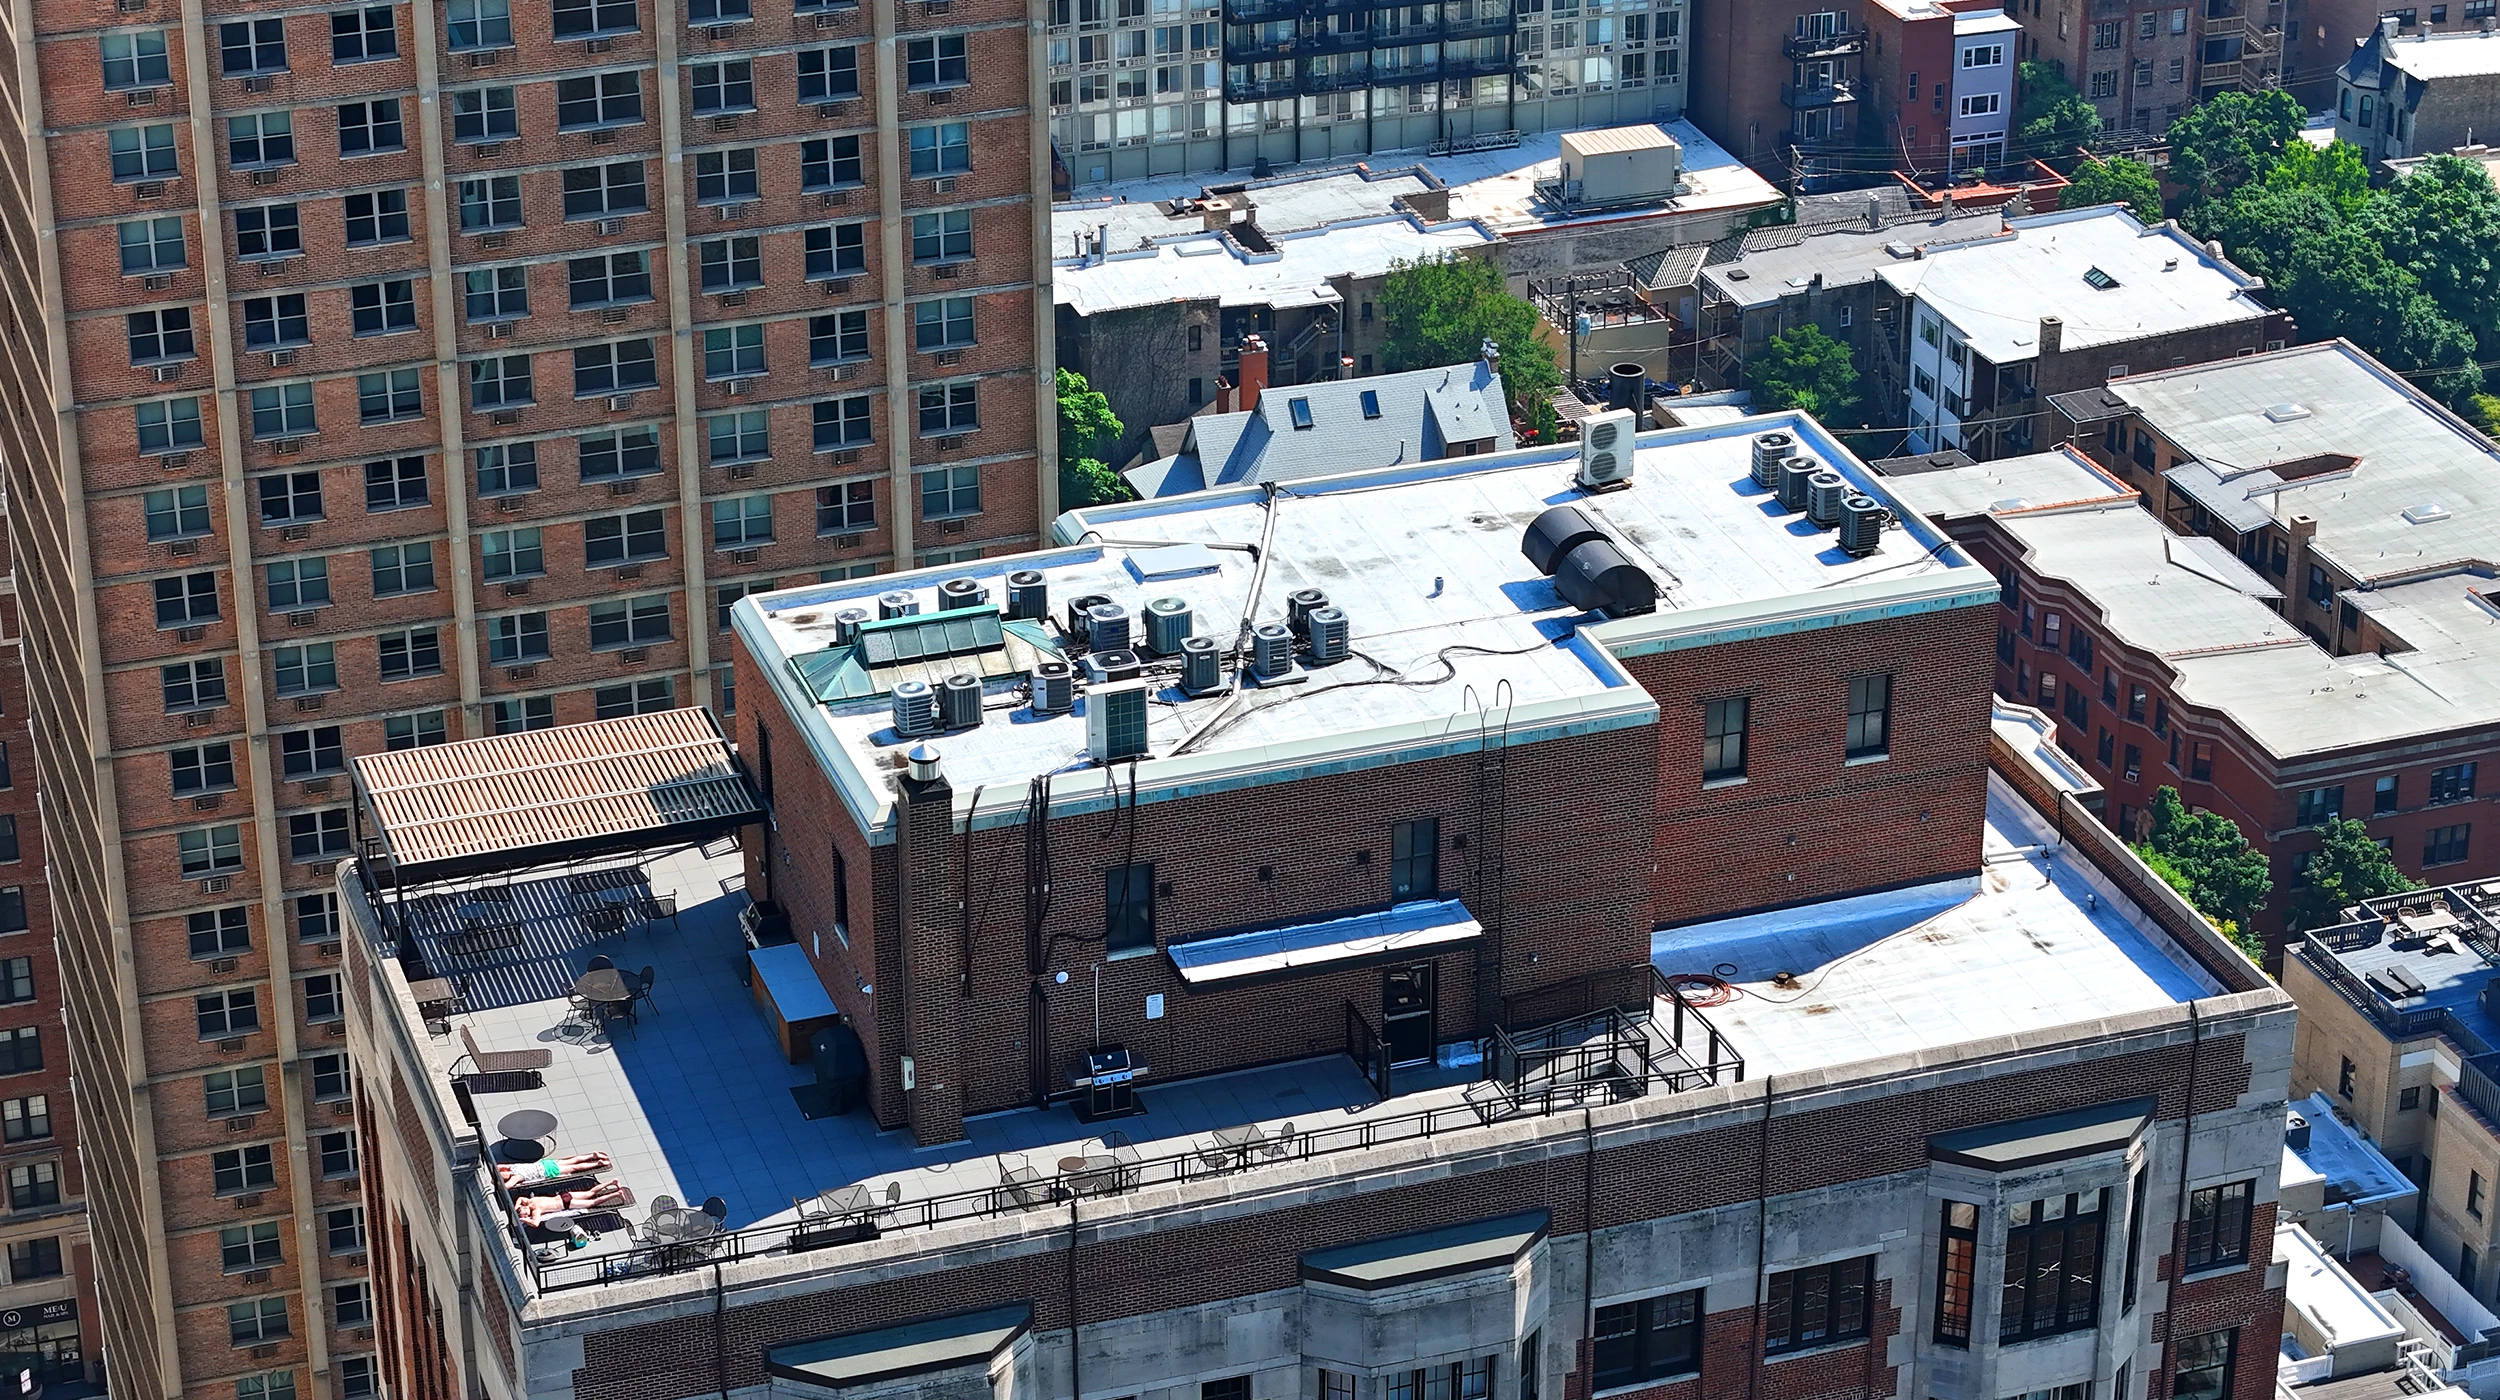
2158, 281
1425, 561
1968, 23
2461, 54
1200, 265
2333, 1300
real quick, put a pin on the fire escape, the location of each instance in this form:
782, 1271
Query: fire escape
2242, 46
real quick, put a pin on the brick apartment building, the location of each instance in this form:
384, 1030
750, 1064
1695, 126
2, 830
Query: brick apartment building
2257, 581
2142, 65
1775, 1165
643, 307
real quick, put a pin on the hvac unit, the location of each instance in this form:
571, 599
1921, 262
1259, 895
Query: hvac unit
1028, 595
846, 625
1081, 615
1794, 473
1597, 577
1107, 667
1202, 667
962, 593
1271, 650
1299, 605
959, 702
1861, 526
915, 709
1167, 626
1606, 450
896, 604
1115, 721
1824, 492
1555, 533
1331, 635
1768, 450
1106, 627
1054, 688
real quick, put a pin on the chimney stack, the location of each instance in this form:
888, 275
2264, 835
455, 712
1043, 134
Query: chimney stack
2052, 334
1253, 375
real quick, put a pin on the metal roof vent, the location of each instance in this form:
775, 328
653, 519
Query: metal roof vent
1271, 650
1553, 533
1596, 576
915, 709
2427, 513
959, 702
1824, 492
1202, 667
896, 604
1028, 595
1768, 449
1168, 624
2287, 413
1332, 637
962, 593
1054, 688
923, 763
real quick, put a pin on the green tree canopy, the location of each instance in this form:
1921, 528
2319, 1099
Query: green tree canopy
2049, 115
2440, 224
1804, 368
2348, 868
2118, 180
2336, 170
2209, 859
2229, 141
1089, 432
1440, 311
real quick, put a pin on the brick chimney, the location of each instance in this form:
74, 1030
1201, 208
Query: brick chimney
929, 896
2052, 335
1253, 372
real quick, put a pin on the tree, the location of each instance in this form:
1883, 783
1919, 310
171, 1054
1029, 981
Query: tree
2336, 170
2348, 868
1088, 432
1806, 369
2205, 855
2229, 141
1441, 311
2118, 180
2050, 117
2483, 411
2439, 224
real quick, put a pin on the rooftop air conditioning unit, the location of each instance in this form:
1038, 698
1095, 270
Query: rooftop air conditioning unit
1861, 526
1115, 720
915, 709
1606, 450
1168, 625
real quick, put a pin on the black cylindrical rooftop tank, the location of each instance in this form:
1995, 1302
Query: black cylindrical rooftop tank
1596, 575
1551, 535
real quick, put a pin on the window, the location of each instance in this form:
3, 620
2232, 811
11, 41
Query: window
619, 365
736, 437
35, 1258
2383, 796
220, 933
615, 539
260, 139
307, 753
630, 621
2106, 36
396, 483
2473, 1193
276, 1385
496, 294
2409, 1098
1986, 103
177, 514
1648, 1340
484, 114
363, 35
351, 1305
945, 149
1228, 1388
602, 99
828, 74
2446, 845
17, 980
2205, 1366
2201, 760
574, 18
1870, 717
1129, 908
388, 396
273, 322
500, 381
296, 584
186, 601
934, 62
236, 1091
742, 521
338, 1155
625, 452
2343, 1079
640, 698
516, 637
322, 999
251, 46
377, 216
2105, 82
1954, 1273
607, 280
309, 667
1818, 1306
329, 1078
829, 163
480, 24
143, 153
724, 87
731, 352
34, 1185
2052, 1266
2217, 1233
730, 263
380, 308
507, 468
256, 1246
159, 335
1415, 858
942, 323
169, 425
420, 730
2454, 783
846, 509
21, 1050
945, 236
836, 250
151, 246
369, 127
598, 191
252, 1322
950, 491
415, 652
323, 835
490, 203
1983, 56
2318, 806
841, 423
948, 408
283, 411
227, 1013
192, 685
135, 60
725, 177
834, 338
1723, 739
513, 553
268, 231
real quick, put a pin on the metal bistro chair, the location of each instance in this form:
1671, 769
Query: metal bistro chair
660, 907
642, 989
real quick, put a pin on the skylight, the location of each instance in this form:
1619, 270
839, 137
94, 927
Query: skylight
1371, 403
1301, 410
2098, 280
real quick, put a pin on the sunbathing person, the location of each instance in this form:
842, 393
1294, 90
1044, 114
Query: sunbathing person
561, 1210
516, 1175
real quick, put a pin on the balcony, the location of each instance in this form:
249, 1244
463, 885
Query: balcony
1263, 50
1270, 90
1343, 80
1841, 92
1477, 67
1354, 41
1805, 46
1481, 27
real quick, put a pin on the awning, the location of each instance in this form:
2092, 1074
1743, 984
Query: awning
572, 792
1401, 928
2054, 1137
911, 1349
1428, 1254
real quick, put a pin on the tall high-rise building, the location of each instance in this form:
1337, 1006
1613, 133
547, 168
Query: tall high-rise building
392, 373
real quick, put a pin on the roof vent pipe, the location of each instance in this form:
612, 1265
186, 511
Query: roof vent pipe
923, 763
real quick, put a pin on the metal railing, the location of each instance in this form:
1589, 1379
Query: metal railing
1369, 1052
1846, 41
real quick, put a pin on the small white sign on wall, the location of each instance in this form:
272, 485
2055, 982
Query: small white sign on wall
1154, 1007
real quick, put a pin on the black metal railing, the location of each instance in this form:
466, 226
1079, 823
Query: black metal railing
1829, 94
1847, 41
1369, 1052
